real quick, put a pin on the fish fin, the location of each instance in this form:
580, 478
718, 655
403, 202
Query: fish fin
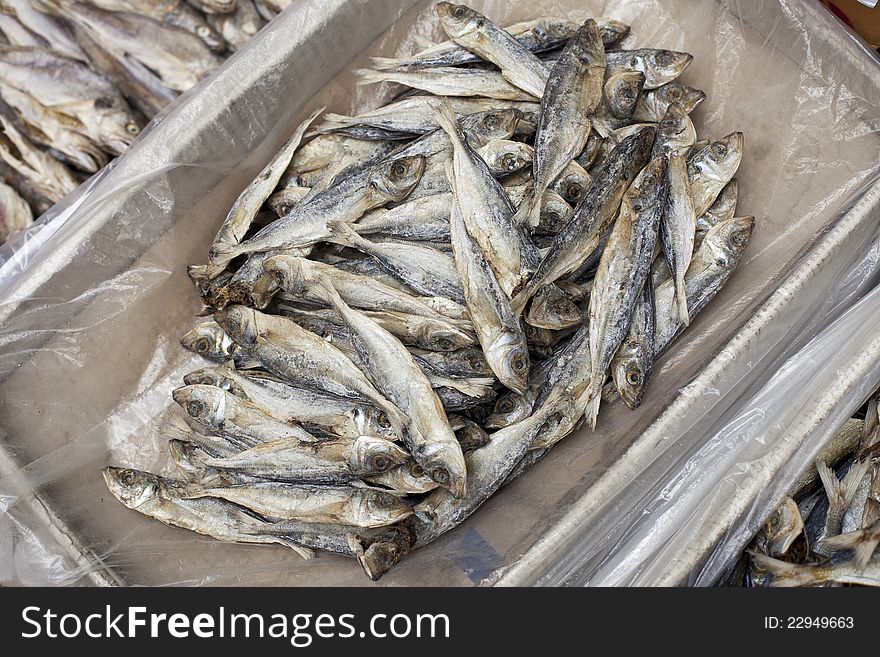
342, 233
450, 174
423, 43
784, 573
862, 542
528, 214
829, 482
682, 304
304, 552
333, 121
176, 427
386, 63
221, 254
592, 410
446, 119
369, 76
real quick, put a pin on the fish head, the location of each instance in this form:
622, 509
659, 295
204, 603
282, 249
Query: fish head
783, 527
505, 157
444, 463
288, 271
378, 553
392, 181
496, 124
371, 421
613, 31
661, 65
720, 159
239, 322
555, 213
212, 376
409, 478
573, 184
131, 487
381, 506
511, 358
587, 45
118, 127
509, 409
471, 436
210, 37
548, 33
554, 308
209, 340
622, 91
646, 190
440, 338
204, 404
688, 97
629, 378
459, 20
475, 360
728, 239
370, 455
676, 130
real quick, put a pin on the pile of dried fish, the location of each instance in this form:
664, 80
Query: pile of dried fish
80, 79
827, 530
533, 217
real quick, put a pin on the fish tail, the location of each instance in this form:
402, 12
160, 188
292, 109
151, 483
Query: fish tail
369, 76
386, 63
176, 428
221, 254
862, 542
681, 302
592, 411
784, 573
304, 552
528, 214
446, 119
342, 233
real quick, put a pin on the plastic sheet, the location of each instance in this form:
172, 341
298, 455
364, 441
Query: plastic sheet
92, 309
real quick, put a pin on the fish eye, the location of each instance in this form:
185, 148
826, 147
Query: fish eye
416, 470
477, 363
627, 94
634, 62
530, 331
539, 31
383, 422
203, 345
719, 149
574, 191
673, 94
633, 377
440, 475
505, 405
460, 11
491, 121
381, 462
374, 186
637, 207
195, 408
203, 31
665, 58
518, 364
509, 162
773, 522
398, 170
444, 344
132, 128
127, 477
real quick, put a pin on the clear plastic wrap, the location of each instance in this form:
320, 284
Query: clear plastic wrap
92, 306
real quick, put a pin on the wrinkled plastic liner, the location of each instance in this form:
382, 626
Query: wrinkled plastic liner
91, 319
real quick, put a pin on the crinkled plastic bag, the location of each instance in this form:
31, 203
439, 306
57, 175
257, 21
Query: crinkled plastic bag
93, 304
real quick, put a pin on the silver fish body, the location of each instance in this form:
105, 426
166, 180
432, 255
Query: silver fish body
623, 270
478, 34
